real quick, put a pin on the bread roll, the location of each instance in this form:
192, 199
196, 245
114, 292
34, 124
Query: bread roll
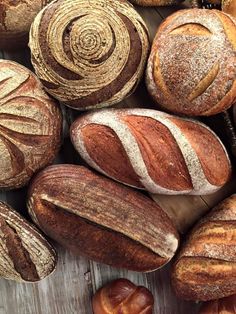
25, 255
103, 220
30, 125
221, 306
192, 65
205, 268
16, 16
152, 150
89, 54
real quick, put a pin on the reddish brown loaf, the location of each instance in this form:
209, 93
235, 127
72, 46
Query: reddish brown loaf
206, 266
152, 150
221, 306
94, 216
122, 296
89, 54
16, 16
30, 125
24, 253
192, 65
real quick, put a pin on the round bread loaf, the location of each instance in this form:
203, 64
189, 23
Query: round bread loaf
150, 3
192, 65
30, 125
229, 6
89, 53
15, 20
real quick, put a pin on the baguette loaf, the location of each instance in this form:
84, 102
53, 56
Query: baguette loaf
152, 150
103, 220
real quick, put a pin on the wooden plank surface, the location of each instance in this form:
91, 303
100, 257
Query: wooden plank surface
69, 289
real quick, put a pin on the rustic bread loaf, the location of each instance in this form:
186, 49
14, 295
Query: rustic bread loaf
15, 20
221, 306
152, 150
229, 6
122, 296
89, 54
148, 3
24, 253
30, 125
206, 266
103, 220
192, 65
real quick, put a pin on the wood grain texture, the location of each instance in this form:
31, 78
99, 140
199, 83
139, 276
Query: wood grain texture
69, 289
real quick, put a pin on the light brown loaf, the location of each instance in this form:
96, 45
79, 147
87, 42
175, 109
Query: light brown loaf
89, 54
103, 220
30, 125
16, 17
221, 306
152, 150
192, 65
25, 255
205, 268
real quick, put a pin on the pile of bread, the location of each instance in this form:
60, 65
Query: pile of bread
90, 55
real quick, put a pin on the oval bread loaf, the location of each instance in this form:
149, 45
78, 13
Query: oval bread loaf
103, 220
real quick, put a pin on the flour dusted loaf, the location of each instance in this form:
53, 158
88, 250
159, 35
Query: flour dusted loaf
89, 54
101, 219
152, 150
206, 266
30, 125
150, 3
16, 16
192, 65
25, 255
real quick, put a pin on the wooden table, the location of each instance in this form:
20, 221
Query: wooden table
70, 288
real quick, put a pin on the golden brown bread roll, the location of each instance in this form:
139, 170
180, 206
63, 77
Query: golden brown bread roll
122, 296
15, 20
221, 306
192, 65
30, 125
205, 268
148, 3
101, 219
152, 150
89, 54
229, 6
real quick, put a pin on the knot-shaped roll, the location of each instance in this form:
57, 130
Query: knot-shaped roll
192, 65
89, 54
30, 125
152, 150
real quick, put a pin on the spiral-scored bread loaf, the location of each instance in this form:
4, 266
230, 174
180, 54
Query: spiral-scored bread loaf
206, 266
150, 3
16, 18
221, 306
89, 53
152, 150
122, 296
30, 125
25, 255
192, 65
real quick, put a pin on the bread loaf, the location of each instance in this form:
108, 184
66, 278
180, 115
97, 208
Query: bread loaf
122, 296
205, 268
89, 54
192, 65
15, 20
148, 3
229, 6
24, 253
221, 306
103, 220
152, 150
30, 125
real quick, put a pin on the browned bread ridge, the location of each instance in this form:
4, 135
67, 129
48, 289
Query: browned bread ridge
103, 220
89, 54
16, 18
152, 150
122, 296
221, 306
192, 65
25, 255
30, 125
205, 268
147, 3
